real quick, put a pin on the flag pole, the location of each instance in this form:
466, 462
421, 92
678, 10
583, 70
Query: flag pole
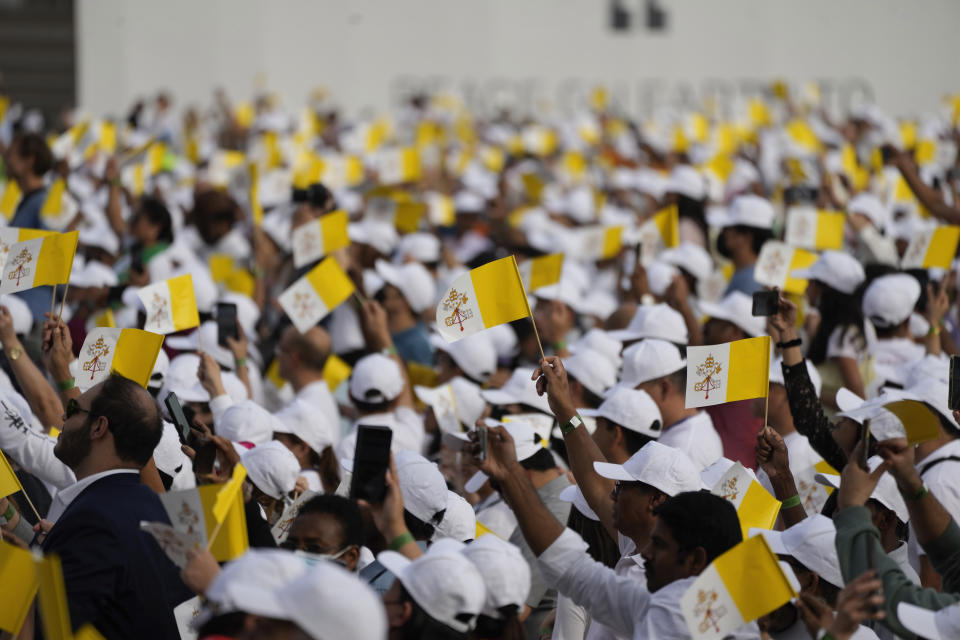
53, 299
213, 536
62, 302
526, 302
30, 502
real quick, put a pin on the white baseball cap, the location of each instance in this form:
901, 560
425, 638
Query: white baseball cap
505, 573
272, 468
326, 601
654, 321
422, 247
870, 206
247, 421
889, 300
690, 257
886, 492
592, 370
160, 367
422, 485
382, 236
446, 585
655, 464
519, 389
305, 422
747, 210
573, 495
631, 409
413, 280
601, 342
686, 181
241, 583
468, 404
648, 360
811, 542
526, 443
475, 355
660, 276
459, 521
835, 269
933, 625
736, 307
776, 374
94, 274
375, 379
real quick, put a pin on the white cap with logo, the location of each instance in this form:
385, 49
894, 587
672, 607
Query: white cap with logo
459, 520
631, 409
747, 210
655, 464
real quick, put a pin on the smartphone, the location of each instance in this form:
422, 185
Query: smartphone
136, 259
953, 397
175, 409
226, 323
766, 303
371, 459
482, 433
865, 451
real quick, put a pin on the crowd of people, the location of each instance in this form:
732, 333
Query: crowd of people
586, 510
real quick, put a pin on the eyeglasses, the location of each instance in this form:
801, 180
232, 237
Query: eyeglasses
620, 485
73, 408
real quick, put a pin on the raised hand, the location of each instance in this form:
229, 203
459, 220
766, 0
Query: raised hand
551, 379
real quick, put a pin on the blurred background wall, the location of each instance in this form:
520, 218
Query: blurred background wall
522, 53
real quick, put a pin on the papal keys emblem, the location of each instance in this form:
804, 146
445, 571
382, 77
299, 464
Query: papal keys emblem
708, 611
709, 370
453, 303
22, 261
98, 352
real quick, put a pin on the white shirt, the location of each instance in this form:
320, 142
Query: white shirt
572, 620
65, 496
941, 481
29, 447
630, 566
696, 437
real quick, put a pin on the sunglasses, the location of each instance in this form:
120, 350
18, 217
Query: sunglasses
73, 408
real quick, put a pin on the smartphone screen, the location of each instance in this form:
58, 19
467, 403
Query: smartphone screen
179, 419
226, 322
371, 460
953, 396
482, 433
766, 303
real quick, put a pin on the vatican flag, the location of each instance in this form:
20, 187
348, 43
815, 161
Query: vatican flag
541, 272
319, 237
316, 294
46, 260
10, 195
128, 352
934, 247
170, 305
10, 236
755, 506
482, 298
728, 372
811, 228
440, 209
600, 243
777, 261
741, 585
396, 166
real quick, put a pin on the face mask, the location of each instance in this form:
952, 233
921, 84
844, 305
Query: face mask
313, 559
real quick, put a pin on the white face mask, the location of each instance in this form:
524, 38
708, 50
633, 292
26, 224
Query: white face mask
313, 559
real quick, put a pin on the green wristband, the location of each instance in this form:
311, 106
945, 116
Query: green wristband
571, 424
240, 362
791, 502
918, 495
402, 539
66, 385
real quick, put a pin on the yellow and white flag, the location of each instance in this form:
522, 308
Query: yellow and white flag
335, 372
663, 228
728, 372
18, 572
128, 352
319, 237
37, 262
171, 305
934, 247
10, 196
316, 294
59, 207
812, 228
541, 272
600, 243
777, 261
482, 298
440, 209
340, 171
9, 236
741, 585
755, 506
396, 166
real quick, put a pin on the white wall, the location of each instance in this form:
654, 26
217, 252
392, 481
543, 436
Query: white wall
904, 53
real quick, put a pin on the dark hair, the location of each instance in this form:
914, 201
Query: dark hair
419, 529
344, 511
633, 440
132, 418
600, 546
542, 460
370, 407
837, 310
156, 212
693, 210
506, 627
758, 237
32, 145
421, 625
701, 519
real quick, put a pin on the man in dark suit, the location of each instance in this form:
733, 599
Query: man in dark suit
116, 576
